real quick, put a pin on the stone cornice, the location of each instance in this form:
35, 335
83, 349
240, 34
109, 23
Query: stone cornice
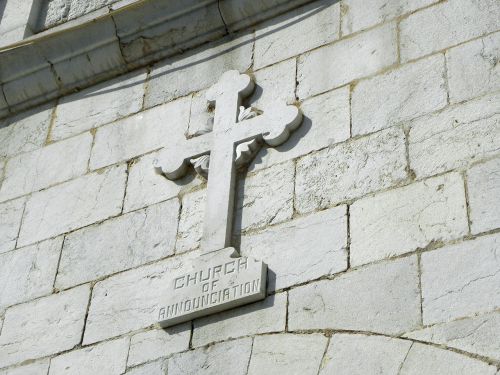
106, 44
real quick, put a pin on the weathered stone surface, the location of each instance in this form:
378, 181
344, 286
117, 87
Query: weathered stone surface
350, 170
201, 118
461, 280
257, 205
139, 134
259, 317
197, 69
287, 354
318, 240
326, 122
29, 272
24, 132
447, 24
473, 68
342, 62
191, 221
73, 204
483, 181
157, 343
404, 219
35, 368
146, 187
359, 14
98, 105
424, 359
57, 321
10, 220
46, 166
134, 297
275, 84
298, 31
227, 358
387, 300
399, 95
127, 241
350, 354
15, 15
477, 335
158, 367
106, 358
455, 137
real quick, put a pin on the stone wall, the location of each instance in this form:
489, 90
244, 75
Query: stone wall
379, 219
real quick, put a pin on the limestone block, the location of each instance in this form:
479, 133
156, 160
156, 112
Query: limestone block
455, 137
425, 359
79, 8
260, 317
191, 221
227, 358
57, 320
326, 122
146, 187
350, 170
151, 345
35, 368
73, 204
139, 134
257, 205
287, 354
24, 132
347, 60
483, 182
275, 84
108, 358
478, 335
29, 272
473, 68
10, 220
46, 166
399, 95
447, 24
134, 297
358, 354
359, 15
461, 280
158, 367
318, 240
295, 32
128, 241
402, 220
197, 69
387, 300
98, 105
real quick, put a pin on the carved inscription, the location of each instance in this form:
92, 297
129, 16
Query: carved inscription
215, 282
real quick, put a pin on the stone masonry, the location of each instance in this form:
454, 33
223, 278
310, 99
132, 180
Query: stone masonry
379, 219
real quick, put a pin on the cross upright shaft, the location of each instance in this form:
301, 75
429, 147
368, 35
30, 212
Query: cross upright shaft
273, 128
217, 227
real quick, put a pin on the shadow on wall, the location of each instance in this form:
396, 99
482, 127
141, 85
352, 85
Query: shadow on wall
309, 10
3, 4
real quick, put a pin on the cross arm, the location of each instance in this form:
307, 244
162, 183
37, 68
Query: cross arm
173, 161
274, 126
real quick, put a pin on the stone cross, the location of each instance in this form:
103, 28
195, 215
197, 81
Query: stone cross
222, 143
220, 279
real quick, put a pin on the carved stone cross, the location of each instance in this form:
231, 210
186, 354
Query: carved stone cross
232, 142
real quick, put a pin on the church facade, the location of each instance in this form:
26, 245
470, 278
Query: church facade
250, 187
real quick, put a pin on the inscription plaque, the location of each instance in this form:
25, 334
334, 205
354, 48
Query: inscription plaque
220, 279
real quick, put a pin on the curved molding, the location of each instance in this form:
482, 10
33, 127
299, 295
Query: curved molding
98, 47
